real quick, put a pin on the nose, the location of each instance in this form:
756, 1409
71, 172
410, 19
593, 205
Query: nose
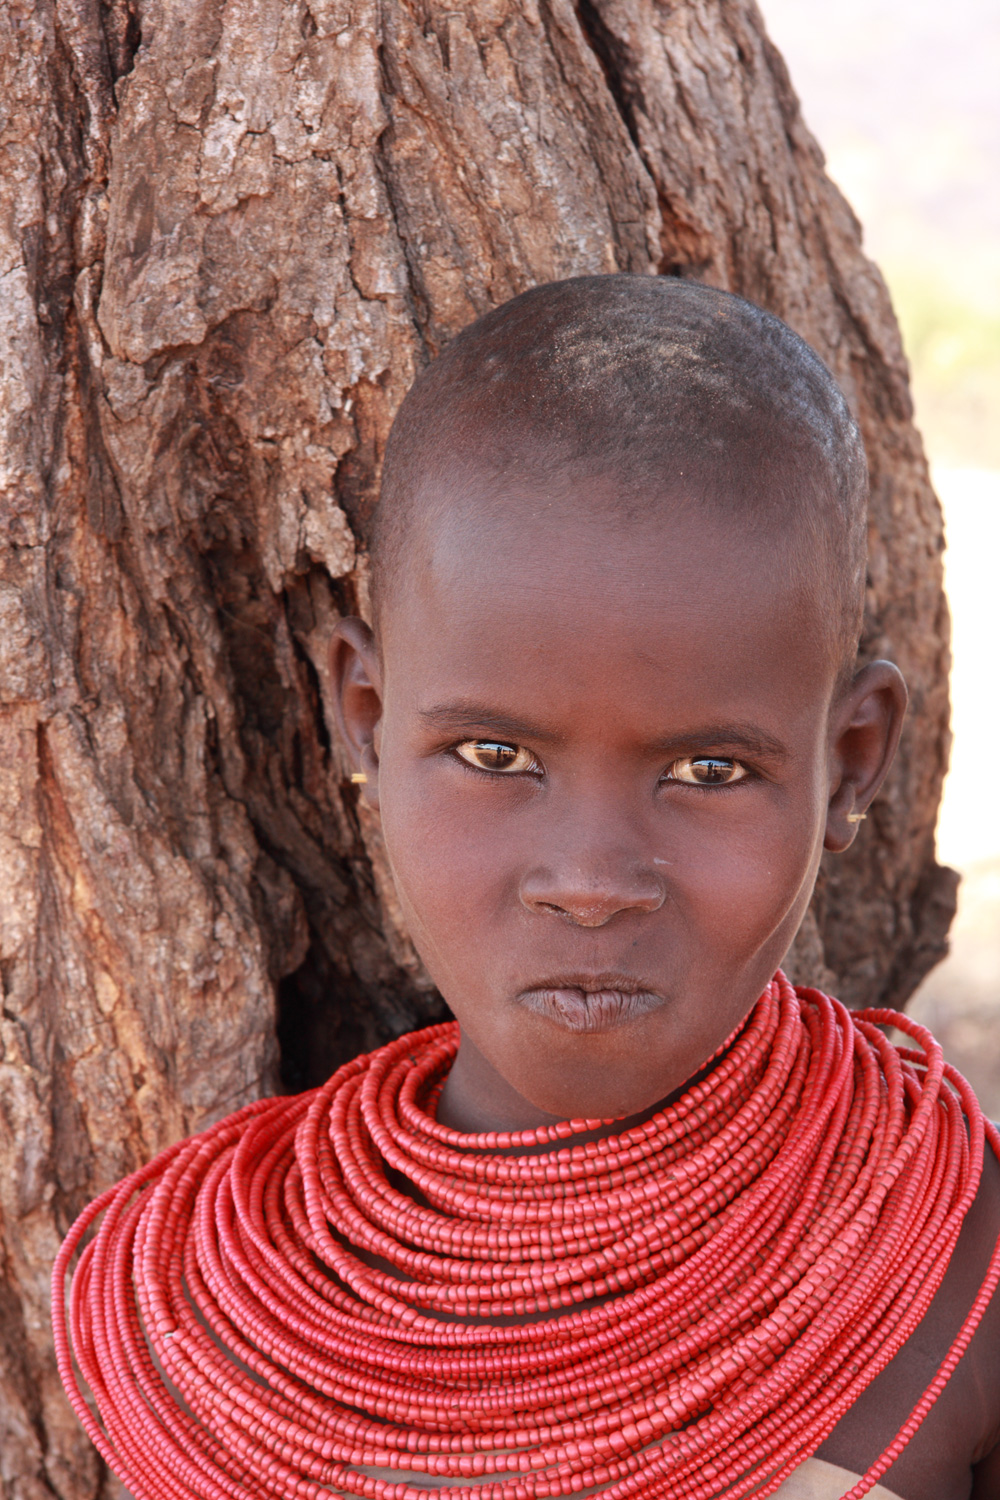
590, 892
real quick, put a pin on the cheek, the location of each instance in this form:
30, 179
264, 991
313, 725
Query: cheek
451, 865
738, 896
749, 880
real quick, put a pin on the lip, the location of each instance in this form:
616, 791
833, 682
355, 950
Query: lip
590, 1002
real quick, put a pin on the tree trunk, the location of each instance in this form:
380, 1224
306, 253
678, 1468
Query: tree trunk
231, 233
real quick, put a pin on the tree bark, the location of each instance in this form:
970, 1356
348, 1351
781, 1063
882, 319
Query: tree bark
231, 232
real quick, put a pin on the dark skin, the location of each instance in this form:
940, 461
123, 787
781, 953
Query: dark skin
607, 755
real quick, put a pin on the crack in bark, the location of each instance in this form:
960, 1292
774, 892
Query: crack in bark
122, 27
608, 50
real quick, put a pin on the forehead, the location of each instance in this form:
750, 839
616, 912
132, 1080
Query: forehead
556, 593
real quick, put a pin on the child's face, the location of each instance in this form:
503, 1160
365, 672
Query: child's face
604, 755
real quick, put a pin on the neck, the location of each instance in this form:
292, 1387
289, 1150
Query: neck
476, 1099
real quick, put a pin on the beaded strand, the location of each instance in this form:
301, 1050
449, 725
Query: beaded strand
336, 1293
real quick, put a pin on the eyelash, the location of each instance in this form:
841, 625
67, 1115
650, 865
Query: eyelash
535, 769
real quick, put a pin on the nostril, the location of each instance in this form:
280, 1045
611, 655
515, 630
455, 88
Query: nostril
581, 916
591, 913
588, 903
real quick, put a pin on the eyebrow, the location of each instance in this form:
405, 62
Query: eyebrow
748, 737
479, 718
474, 716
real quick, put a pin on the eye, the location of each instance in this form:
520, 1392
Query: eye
495, 755
706, 770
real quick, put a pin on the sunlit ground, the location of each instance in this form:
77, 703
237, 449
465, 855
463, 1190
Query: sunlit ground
960, 999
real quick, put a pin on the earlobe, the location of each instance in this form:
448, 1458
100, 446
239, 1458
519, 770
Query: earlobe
357, 696
866, 729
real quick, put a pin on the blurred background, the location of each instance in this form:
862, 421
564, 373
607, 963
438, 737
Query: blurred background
904, 98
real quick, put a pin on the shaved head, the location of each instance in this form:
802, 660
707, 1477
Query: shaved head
673, 392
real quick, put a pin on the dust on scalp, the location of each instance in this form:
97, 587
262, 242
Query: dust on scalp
660, 383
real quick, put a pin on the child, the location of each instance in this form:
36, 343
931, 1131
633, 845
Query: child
646, 1222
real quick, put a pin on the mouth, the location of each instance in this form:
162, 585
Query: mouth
595, 1002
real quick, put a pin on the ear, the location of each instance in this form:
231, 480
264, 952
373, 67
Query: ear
866, 726
357, 696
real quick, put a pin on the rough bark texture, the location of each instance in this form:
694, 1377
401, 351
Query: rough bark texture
231, 231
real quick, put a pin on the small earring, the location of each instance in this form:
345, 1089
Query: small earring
856, 817
359, 778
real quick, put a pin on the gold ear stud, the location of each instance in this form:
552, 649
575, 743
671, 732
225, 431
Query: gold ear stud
856, 817
359, 778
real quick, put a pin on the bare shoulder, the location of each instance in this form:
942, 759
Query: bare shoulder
955, 1455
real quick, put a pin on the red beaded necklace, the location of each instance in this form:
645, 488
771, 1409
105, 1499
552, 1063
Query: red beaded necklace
266, 1310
